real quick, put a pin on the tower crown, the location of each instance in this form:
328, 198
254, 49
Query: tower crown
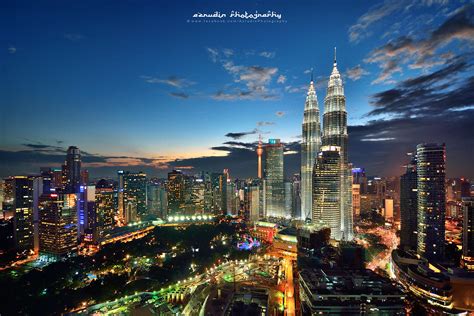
335, 80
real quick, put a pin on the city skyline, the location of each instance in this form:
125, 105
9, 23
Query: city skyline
270, 157
146, 107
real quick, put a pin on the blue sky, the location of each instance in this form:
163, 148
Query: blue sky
137, 86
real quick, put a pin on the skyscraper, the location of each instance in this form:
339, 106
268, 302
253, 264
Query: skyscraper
296, 184
309, 147
359, 177
72, 170
335, 115
409, 207
219, 192
289, 199
157, 202
255, 203
356, 199
57, 225
104, 206
23, 212
431, 159
259, 155
134, 189
334, 142
468, 233
274, 185
175, 192
327, 188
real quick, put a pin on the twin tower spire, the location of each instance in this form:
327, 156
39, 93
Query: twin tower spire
332, 137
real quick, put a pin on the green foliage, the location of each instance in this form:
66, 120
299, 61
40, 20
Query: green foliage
61, 286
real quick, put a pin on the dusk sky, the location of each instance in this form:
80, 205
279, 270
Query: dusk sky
137, 85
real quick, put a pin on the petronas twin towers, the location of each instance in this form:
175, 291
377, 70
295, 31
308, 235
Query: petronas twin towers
326, 178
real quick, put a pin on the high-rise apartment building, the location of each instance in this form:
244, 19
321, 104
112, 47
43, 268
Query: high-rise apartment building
274, 182
23, 227
72, 170
57, 225
409, 207
468, 233
431, 164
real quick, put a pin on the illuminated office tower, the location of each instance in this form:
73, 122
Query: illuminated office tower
57, 225
120, 206
23, 212
409, 207
356, 199
309, 147
219, 192
259, 157
130, 210
288, 199
198, 189
175, 192
335, 137
468, 233
255, 201
359, 177
104, 207
274, 183
327, 186
230, 198
296, 184
335, 115
2, 196
72, 170
431, 160
134, 189
157, 199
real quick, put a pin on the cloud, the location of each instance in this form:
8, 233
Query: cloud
37, 146
180, 95
172, 81
293, 89
280, 113
240, 135
254, 80
261, 123
74, 37
238, 94
422, 53
380, 139
356, 73
213, 54
12, 50
429, 94
28, 161
227, 52
361, 29
242, 144
281, 79
389, 140
267, 54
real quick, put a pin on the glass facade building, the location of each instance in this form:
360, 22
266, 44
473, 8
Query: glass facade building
274, 182
327, 186
409, 207
431, 161
57, 225
334, 139
72, 170
309, 148
23, 229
